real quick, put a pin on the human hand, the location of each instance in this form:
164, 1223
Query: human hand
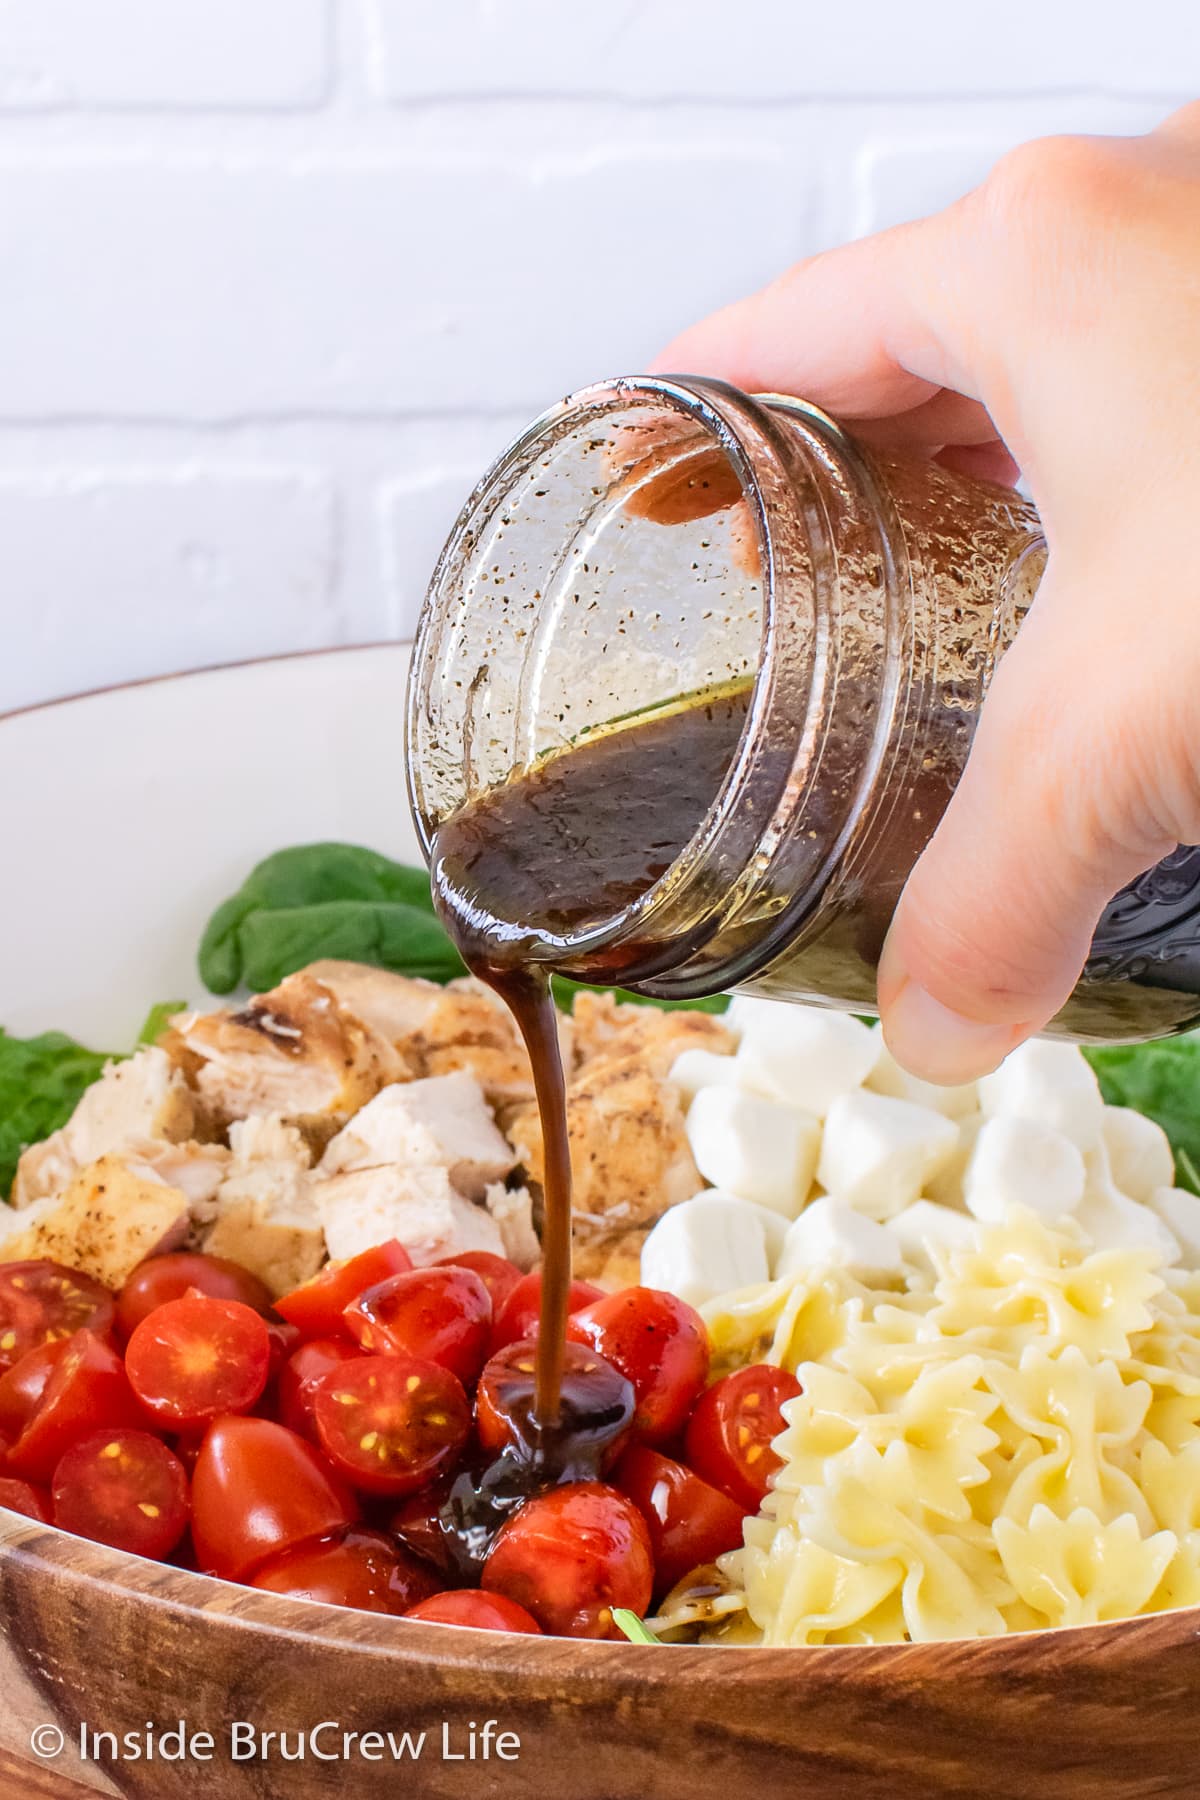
1048, 323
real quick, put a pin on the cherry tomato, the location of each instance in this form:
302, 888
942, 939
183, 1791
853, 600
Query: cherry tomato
390, 1424
728, 1440
41, 1301
192, 1360
164, 1278
285, 1340
689, 1522
498, 1275
417, 1524
123, 1488
480, 1611
570, 1556
87, 1391
444, 1315
660, 1344
595, 1404
258, 1489
22, 1387
359, 1568
520, 1315
300, 1374
24, 1497
317, 1307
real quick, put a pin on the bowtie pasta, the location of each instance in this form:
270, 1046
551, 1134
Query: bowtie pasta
1011, 1443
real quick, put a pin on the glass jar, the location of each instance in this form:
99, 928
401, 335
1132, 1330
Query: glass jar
651, 539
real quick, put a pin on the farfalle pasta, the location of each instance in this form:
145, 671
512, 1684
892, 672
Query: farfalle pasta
1008, 1443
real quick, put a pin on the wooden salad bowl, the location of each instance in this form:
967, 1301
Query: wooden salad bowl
99, 1639
92, 1637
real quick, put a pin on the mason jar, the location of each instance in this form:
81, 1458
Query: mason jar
653, 539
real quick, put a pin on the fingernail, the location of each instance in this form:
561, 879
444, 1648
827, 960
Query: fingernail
938, 1044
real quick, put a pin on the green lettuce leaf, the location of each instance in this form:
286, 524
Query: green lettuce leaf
157, 1020
253, 939
41, 1082
1162, 1080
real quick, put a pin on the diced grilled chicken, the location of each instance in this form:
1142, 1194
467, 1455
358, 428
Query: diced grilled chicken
606, 1028
266, 1209
145, 1098
295, 1052
418, 1205
629, 1151
512, 1209
114, 1214
197, 1170
393, 1005
441, 1120
613, 1259
471, 1028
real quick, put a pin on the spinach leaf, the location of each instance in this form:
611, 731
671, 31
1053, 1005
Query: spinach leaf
1160, 1079
41, 1082
156, 1021
310, 876
566, 990
388, 934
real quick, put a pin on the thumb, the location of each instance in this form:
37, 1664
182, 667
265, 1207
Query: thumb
1053, 814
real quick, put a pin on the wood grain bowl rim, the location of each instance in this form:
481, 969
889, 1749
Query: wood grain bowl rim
42, 1549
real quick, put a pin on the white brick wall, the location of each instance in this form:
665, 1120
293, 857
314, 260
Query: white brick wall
278, 277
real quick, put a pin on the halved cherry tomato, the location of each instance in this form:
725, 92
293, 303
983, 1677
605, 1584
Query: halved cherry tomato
595, 1405
192, 1360
728, 1439
24, 1497
257, 1489
164, 1278
41, 1301
498, 1275
123, 1488
22, 1387
317, 1307
416, 1522
300, 1374
660, 1344
359, 1568
689, 1521
443, 1315
570, 1556
520, 1315
479, 1611
88, 1391
284, 1340
390, 1424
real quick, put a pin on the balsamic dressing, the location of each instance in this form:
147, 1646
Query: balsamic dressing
585, 834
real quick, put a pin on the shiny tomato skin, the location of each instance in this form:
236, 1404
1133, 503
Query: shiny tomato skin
416, 1523
25, 1497
300, 1374
443, 1315
660, 1344
317, 1307
520, 1315
163, 1278
124, 1489
728, 1438
42, 1300
358, 1568
498, 1275
257, 1489
595, 1403
88, 1391
689, 1521
478, 1611
572, 1555
197, 1359
391, 1424
22, 1387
